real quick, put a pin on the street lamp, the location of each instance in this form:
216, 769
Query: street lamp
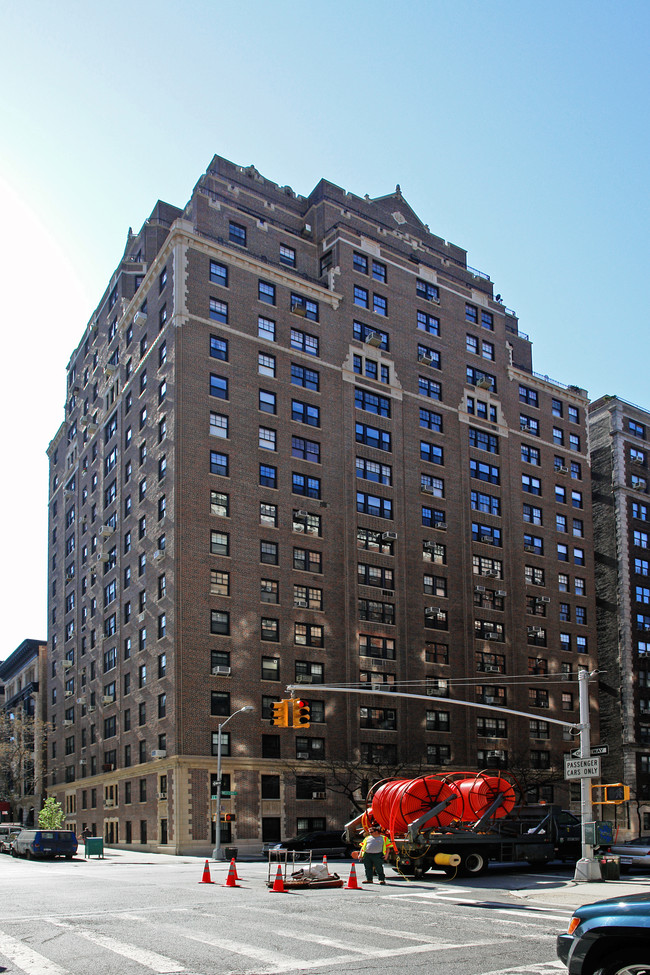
216, 853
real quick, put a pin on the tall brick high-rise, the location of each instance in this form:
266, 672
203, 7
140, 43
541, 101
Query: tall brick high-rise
303, 442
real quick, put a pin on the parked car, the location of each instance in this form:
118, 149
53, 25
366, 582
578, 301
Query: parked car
44, 843
610, 937
321, 843
633, 853
7, 833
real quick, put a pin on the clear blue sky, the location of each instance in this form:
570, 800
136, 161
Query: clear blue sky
518, 130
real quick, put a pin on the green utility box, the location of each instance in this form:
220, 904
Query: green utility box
95, 846
598, 833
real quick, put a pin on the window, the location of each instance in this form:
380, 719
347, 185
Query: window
267, 402
529, 425
428, 323
374, 575
218, 425
305, 449
373, 437
219, 273
219, 622
372, 470
372, 505
307, 561
269, 629
307, 597
432, 485
304, 342
574, 442
268, 514
308, 486
218, 386
304, 307
573, 414
218, 311
528, 396
301, 376
219, 543
308, 634
219, 504
269, 591
305, 413
484, 472
426, 290
371, 334
485, 502
268, 476
265, 364
376, 612
532, 514
267, 438
219, 582
379, 305
310, 748
483, 441
372, 402
530, 455
218, 463
266, 292
487, 534
429, 387
360, 263
532, 485
219, 703
433, 517
533, 544
361, 296
431, 420
428, 356
237, 234
287, 255
431, 453
269, 553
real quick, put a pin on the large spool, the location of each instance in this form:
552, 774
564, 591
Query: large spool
480, 793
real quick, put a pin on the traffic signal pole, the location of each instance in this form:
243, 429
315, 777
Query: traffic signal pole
586, 868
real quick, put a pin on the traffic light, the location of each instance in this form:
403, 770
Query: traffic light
228, 817
301, 714
280, 714
610, 795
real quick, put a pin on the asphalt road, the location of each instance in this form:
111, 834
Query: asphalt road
117, 917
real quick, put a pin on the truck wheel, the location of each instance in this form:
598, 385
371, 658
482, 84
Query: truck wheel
420, 870
625, 963
473, 864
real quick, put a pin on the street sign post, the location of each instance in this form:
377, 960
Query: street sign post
581, 768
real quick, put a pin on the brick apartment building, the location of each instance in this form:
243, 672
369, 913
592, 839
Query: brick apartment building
303, 442
620, 451
23, 679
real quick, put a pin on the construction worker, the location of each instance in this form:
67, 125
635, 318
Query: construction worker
373, 852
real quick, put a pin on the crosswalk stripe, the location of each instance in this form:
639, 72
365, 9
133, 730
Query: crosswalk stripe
30, 961
149, 959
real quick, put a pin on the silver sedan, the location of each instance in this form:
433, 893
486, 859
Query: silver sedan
633, 853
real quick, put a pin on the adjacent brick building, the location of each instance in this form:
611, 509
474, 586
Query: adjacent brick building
304, 443
620, 451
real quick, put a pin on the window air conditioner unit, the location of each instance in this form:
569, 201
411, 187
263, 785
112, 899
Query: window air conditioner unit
221, 671
479, 588
426, 360
92, 427
484, 384
374, 340
67, 723
91, 708
301, 603
302, 754
297, 527
82, 761
301, 513
69, 693
377, 687
108, 699
561, 469
162, 795
491, 636
491, 574
140, 318
84, 421
141, 617
440, 525
159, 753
388, 536
109, 803
529, 548
318, 795
489, 699
426, 489
306, 230
428, 546
544, 599
106, 531
303, 679
110, 369
67, 664
500, 592
159, 554
102, 556
299, 309
432, 611
490, 669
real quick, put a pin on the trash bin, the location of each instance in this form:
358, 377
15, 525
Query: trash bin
230, 852
610, 867
94, 846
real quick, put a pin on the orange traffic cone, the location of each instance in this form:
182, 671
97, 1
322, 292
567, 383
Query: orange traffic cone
206, 875
325, 862
352, 880
233, 867
278, 883
231, 879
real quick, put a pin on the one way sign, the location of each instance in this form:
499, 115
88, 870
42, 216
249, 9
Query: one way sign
594, 750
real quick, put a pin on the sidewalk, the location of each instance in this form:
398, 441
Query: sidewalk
569, 894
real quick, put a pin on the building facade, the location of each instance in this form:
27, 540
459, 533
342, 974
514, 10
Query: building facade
620, 452
304, 443
23, 731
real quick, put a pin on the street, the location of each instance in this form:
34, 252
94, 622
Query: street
116, 916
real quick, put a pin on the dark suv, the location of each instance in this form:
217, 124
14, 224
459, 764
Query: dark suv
320, 843
609, 937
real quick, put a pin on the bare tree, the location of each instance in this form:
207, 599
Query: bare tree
22, 747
